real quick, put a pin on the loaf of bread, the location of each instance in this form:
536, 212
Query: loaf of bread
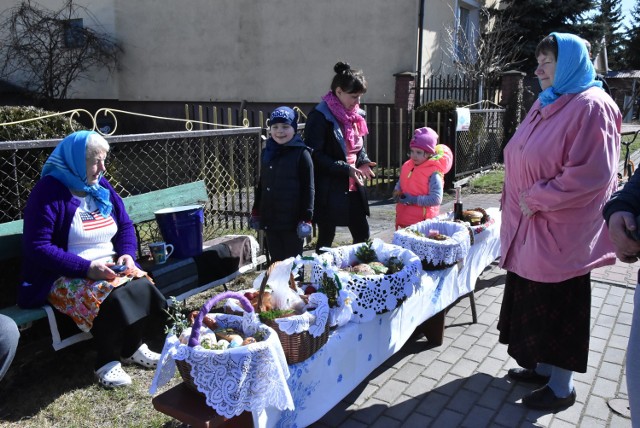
472, 216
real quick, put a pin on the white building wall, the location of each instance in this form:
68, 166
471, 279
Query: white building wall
276, 50
260, 51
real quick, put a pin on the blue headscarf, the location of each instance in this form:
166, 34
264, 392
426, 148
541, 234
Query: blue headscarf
68, 164
574, 70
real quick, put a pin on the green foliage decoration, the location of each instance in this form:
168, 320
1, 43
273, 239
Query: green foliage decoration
275, 313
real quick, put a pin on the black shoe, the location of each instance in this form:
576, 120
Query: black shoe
545, 399
527, 375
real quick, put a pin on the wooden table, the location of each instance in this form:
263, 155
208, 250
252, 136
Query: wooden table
189, 407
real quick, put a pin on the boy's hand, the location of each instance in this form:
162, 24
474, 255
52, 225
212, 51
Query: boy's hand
254, 222
396, 194
304, 229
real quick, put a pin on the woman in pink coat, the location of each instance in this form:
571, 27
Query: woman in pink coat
560, 169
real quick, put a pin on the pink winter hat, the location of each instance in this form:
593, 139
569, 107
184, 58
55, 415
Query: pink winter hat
425, 139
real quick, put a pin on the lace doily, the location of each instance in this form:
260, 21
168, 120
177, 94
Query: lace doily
447, 252
246, 378
338, 315
314, 321
374, 294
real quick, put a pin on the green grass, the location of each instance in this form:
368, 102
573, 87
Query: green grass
487, 182
45, 388
635, 145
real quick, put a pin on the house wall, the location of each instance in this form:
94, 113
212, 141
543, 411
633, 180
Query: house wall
277, 50
272, 51
102, 84
233, 50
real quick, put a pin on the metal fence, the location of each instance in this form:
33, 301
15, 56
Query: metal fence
479, 148
227, 160
459, 88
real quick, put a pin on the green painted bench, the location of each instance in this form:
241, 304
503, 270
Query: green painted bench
140, 208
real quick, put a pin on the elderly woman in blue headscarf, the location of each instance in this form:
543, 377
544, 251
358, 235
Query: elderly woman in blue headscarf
560, 169
76, 231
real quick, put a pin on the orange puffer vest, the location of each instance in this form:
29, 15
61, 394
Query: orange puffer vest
414, 180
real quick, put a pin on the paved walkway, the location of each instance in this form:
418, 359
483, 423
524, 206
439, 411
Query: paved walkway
464, 383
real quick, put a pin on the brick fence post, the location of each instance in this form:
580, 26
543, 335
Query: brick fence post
405, 90
512, 99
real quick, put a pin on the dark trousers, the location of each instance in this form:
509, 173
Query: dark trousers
124, 320
357, 223
283, 244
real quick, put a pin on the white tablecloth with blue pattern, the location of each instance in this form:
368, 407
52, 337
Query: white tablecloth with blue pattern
354, 350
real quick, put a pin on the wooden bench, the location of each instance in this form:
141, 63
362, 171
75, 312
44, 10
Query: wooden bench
141, 208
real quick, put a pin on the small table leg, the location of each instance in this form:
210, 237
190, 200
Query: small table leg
433, 328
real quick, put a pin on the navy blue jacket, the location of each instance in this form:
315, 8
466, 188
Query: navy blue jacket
285, 194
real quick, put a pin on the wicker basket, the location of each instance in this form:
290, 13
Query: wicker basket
372, 294
436, 255
298, 346
183, 366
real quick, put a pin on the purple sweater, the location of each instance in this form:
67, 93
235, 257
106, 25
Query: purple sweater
47, 220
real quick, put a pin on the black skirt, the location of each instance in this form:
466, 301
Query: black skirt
547, 322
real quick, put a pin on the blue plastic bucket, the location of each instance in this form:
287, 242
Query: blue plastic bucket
182, 228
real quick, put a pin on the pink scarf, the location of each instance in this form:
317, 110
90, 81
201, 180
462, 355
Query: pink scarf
353, 125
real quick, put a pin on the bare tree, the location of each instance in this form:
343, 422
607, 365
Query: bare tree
486, 51
45, 51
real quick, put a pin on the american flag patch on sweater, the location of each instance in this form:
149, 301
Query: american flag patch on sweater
94, 220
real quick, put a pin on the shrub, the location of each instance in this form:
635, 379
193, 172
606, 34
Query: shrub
440, 106
43, 129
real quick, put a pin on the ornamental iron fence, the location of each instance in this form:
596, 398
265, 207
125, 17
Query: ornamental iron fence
227, 160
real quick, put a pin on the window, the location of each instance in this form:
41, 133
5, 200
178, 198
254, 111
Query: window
464, 40
467, 34
73, 33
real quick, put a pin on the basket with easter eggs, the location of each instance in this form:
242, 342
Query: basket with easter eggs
236, 362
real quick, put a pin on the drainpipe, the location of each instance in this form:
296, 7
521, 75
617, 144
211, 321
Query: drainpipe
418, 85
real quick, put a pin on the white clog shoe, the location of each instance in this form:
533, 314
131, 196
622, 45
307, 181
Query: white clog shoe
111, 375
143, 357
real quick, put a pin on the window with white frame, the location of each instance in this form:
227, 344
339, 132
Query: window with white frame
466, 32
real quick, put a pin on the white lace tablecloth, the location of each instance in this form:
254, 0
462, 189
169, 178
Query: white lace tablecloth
355, 350
374, 294
446, 252
246, 378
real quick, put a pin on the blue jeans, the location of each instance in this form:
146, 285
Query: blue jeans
9, 336
633, 362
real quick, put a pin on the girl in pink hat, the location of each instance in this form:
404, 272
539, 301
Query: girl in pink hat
418, 193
